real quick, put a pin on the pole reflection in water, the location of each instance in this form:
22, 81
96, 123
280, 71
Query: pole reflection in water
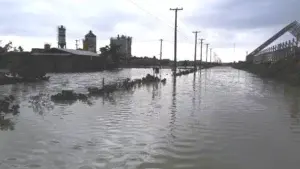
294, 109
200, 89
173, 106
205, 79
154, 91
194, 94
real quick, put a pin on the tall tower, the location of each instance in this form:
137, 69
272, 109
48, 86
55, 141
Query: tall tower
90, 42
61, 36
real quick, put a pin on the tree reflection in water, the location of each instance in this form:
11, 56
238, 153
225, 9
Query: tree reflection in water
7, 124
41, 103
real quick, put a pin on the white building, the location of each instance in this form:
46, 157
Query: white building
125, 44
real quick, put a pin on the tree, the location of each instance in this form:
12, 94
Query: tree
104, 50
185, 63
114, 52
6, 47
21, 49
15, 49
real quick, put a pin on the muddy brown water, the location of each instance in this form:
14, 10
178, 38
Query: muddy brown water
221, 118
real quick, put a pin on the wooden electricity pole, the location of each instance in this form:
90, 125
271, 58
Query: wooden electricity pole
201, 44
195, 60
175, 37
206, 52
160, 53
76, 44
210, 54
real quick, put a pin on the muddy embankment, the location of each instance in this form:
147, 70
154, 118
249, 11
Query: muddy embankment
287, 70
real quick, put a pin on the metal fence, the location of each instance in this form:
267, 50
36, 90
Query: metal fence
277, 52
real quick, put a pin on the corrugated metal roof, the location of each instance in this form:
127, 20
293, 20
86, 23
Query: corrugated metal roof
78, 52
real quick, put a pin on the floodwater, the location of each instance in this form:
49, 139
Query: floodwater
221, 118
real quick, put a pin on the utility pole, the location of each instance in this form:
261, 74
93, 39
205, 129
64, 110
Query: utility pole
76, 44
206, 51
195, 60
210, 54
234, 47
175, 37
160, 53
201, 43
297, 39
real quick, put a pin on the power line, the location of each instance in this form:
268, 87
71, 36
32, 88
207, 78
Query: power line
134, 3
142, 41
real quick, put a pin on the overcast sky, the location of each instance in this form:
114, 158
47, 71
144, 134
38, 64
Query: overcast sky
223, 23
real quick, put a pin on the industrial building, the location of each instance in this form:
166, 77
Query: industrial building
125, 44
61, 37
90, 42
56, 60
68, 60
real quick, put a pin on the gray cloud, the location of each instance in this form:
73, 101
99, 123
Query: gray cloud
106, 22
19, 22
252, 14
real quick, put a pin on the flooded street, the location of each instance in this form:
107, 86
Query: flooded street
221, 118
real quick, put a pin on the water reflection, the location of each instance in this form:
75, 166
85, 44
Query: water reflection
294, 109
194, 94
41, 103
205, 79
7, 124
154, 91
173, 105
226, 129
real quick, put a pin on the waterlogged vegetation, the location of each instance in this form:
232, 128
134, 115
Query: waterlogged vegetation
128, 84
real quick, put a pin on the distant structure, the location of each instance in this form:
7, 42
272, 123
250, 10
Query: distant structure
263, 53
125, 44
61, 33
90, 42
47, 46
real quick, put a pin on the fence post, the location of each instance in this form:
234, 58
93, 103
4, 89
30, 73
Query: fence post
102, 82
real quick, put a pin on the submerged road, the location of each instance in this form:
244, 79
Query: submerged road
221, 118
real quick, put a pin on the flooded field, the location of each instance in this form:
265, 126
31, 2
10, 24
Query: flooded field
220, 118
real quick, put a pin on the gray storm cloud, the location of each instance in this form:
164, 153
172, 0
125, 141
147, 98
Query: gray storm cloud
252, 14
